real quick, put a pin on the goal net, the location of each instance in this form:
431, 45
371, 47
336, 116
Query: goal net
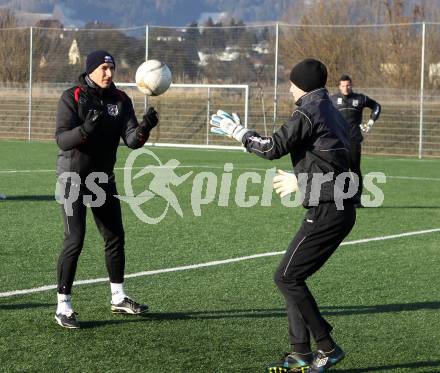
185, 111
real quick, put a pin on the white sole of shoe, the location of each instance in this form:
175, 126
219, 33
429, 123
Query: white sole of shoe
125, 310
65, 326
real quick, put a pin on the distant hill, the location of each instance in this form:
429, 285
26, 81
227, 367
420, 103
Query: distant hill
129, 13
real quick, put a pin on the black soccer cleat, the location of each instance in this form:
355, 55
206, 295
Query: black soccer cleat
324, 360
292, 362
67, 321
130, 307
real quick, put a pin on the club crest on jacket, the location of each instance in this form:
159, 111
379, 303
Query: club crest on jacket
112, 110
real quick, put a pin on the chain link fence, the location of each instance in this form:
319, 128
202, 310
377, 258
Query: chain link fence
397, 65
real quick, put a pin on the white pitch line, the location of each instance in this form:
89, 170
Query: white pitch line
409, 159
131, 168
414, 178
23, 171
207, 264
216, 168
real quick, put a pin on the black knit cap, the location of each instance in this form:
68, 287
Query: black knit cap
309, 74
97, 58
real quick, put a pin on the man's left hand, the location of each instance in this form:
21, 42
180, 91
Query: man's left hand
285, 183
366, 127
150, 120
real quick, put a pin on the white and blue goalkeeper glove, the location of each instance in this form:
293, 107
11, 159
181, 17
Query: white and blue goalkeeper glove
366, 127
227, 124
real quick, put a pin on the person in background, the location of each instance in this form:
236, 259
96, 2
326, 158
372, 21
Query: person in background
351, 105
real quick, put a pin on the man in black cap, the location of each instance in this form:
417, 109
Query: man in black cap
316, 138
351, 105
92, 116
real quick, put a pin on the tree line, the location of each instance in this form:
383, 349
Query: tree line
228, 51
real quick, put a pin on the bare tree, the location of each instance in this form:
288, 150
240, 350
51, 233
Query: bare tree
385, 55
14, 49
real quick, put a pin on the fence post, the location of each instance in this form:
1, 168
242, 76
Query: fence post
147, 34
208, 110
275, 84
246, 108
246, 105
422, 76
30, 86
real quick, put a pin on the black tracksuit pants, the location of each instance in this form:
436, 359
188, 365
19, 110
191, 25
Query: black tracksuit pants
323, 229
108, 219
355, 165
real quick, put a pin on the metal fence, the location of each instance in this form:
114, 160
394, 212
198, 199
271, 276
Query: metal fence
398, 65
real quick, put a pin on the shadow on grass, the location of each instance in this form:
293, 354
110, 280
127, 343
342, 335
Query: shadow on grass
260, 313
405, 207
177, 316
24, 306
37, 198
386, 368
379, 308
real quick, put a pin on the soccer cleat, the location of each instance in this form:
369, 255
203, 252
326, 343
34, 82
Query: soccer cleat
324, 360
129, 306
286, 370
67, 321
292, 362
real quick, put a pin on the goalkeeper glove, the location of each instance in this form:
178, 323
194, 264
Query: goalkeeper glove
285, 183
366, 127
226, 124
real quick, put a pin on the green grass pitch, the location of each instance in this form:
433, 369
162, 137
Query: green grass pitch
382, 297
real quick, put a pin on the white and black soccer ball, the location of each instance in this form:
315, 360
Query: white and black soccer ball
153, 78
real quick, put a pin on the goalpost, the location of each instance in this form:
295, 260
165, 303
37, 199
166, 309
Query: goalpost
185, 111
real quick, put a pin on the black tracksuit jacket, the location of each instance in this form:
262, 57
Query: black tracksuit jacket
82, 153
351, 108
315, 136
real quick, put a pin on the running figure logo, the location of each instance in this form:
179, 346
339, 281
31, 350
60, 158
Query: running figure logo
164, 176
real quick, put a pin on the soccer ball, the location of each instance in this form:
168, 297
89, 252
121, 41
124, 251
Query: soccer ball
153, 78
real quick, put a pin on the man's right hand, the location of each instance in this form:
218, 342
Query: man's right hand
227, 124
92, 121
